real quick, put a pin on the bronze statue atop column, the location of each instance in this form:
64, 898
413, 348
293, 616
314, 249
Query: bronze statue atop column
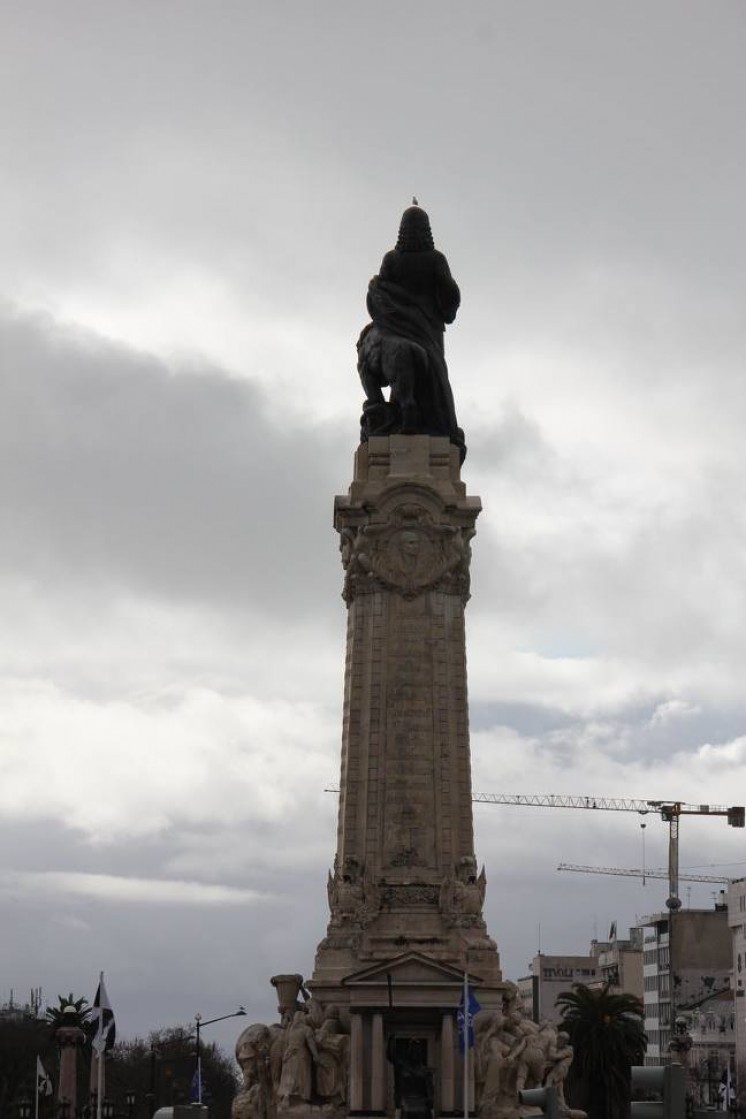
409, 302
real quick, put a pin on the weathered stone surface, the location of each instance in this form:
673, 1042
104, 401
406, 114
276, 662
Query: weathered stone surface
69, 1039
326, 1061
405, 874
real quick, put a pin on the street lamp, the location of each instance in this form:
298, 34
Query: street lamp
200, 1024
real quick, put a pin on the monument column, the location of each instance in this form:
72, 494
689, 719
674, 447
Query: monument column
405, 872
69, 1040
378, 1070
447, 1095
356, 1064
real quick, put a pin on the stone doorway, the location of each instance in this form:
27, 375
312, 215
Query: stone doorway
416, 1050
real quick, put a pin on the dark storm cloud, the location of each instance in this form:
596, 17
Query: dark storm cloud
118, 470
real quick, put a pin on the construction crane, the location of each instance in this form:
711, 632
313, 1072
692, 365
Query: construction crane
669, 810
640, 872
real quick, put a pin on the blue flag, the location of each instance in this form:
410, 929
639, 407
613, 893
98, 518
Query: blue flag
465, 1019
194, 1087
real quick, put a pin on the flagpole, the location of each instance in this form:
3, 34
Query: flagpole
101, 1050
466, 1045
198, 1020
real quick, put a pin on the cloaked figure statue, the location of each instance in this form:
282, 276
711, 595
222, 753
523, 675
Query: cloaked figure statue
409, 301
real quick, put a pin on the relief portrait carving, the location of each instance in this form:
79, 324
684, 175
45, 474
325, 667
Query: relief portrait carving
410, 553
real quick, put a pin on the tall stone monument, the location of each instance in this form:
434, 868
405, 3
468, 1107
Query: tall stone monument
405, 874
376, 1032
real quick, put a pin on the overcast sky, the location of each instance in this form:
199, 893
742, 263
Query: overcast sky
192, 200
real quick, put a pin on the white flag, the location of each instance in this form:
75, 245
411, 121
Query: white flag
105, 1026
43, 1080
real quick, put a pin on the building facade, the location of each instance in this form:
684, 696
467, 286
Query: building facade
737, 924
711, 1057
686, 960
551, 976
619, 962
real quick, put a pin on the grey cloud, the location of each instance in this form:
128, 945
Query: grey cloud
116, 470
530, 174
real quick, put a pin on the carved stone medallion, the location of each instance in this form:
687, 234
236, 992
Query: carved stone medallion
410, 553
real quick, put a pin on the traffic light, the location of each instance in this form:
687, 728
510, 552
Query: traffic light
666, 1081
545, 1098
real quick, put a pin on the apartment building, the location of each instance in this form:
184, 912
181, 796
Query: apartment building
687, 959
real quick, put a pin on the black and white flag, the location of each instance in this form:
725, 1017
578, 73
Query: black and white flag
43, 1080
104, 1017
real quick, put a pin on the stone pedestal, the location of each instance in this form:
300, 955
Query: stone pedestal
69, 1039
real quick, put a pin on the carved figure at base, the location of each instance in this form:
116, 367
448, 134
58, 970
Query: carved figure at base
409, 302
512, 1052
255, 1100
296, 1079
529, 1051
560, 1057
298, 1067
413, 1080
333, 1059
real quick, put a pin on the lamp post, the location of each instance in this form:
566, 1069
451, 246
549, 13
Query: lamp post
200, 1025
154, 1055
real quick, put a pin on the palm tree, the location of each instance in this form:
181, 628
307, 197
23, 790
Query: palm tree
606, 1032
70, 1012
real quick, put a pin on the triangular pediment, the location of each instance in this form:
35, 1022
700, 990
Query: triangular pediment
409, 968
